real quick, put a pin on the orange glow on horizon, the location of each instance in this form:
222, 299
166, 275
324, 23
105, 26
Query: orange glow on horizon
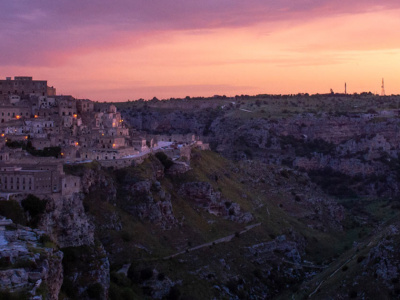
275, 57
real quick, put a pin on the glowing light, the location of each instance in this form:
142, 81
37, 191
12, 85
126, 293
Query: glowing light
36, 116
76, 143
17, 117
75, 116
26, 137
62, 153
2, 134
113, 145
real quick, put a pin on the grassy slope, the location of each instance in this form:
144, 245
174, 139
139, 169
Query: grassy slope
198, 227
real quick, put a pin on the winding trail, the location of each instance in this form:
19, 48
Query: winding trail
218, 241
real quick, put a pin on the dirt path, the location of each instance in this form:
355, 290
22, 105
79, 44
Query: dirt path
218, 241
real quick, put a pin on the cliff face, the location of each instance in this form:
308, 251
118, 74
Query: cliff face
29, 264
148, 201
323, 134
66, 222
86, 272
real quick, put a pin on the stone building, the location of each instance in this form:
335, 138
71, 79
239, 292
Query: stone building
66, 106
84, 105
22, 86
39, 179
4, 155
111, 142
51, 91
8, 113
15, 179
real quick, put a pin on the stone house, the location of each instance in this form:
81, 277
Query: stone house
22, 86
9, 113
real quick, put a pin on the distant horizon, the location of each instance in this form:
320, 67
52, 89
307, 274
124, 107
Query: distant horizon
133, 49
239, 95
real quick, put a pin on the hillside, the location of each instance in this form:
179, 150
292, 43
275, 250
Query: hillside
297, 198
208, 229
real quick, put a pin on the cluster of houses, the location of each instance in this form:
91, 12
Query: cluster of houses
31, 112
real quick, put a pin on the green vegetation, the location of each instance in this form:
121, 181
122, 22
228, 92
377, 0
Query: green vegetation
334, 182
35, 207
78, 169
199, 227
164, 159
307, 147
7, 295
12, 210
46, 152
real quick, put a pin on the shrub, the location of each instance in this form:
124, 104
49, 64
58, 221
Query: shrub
120, 279
68, 288
5, 263
360, 258
353, 294
128, 294
146, 274
35, 207
133, 274
174, 293
164, 159
12, 210
95, 290
126, 236
161, 276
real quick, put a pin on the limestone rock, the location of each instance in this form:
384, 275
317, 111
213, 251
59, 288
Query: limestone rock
26, 262
203, 194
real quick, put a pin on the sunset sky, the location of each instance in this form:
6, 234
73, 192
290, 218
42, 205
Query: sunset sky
129, 49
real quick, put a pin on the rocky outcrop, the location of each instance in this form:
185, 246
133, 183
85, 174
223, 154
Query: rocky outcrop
158, 286
96, 179
66, 222
280, 249
374, 273
203, 194
178, 168
383, 260
148, 201
27, 264
86, 272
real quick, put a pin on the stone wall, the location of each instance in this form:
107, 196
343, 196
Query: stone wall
70, 185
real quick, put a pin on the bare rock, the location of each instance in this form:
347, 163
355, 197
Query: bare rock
27, 263
203, 194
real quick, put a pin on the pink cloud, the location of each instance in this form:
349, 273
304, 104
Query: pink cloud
49, 32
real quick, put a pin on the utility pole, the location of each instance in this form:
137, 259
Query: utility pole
383, 88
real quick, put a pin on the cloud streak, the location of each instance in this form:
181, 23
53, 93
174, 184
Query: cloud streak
161, 48
49, 32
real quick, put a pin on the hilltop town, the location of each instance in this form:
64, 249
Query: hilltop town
40, 131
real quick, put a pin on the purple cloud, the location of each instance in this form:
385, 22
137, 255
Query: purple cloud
48, 32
